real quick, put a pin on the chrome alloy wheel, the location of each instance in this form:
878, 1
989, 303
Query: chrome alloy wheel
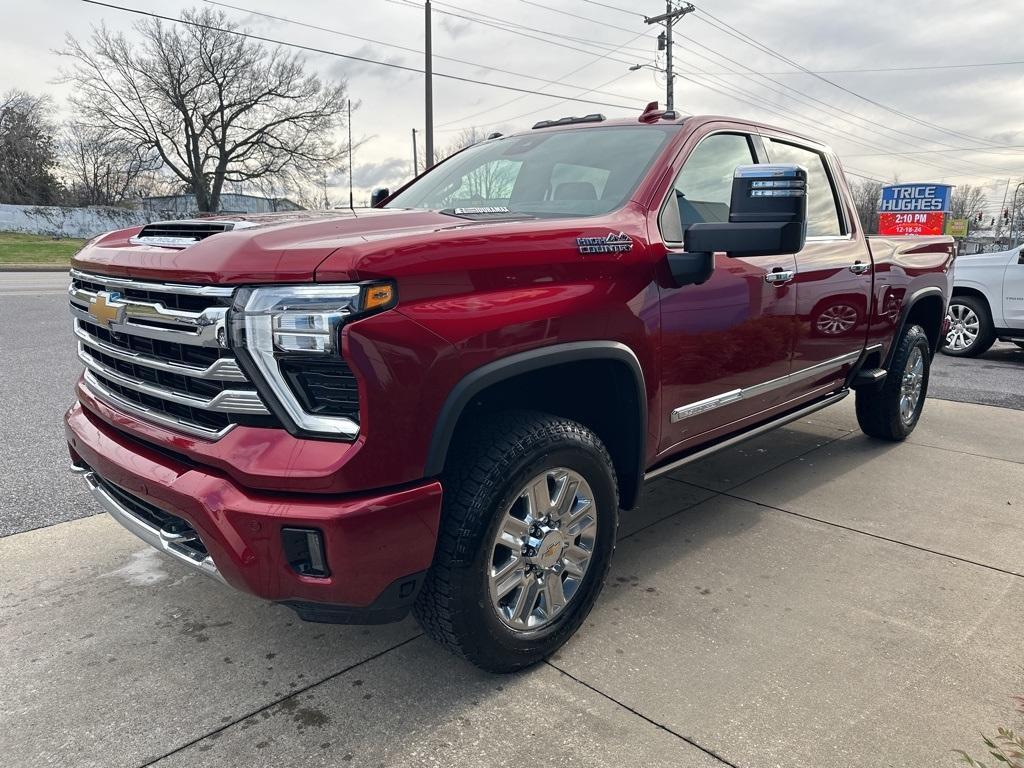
837, 319
964, 327
542, 549
910, 389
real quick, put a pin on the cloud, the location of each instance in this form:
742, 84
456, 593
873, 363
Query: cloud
454, 27
347, 69
385, 173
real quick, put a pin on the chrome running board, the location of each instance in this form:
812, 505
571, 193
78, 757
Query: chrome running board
744, 436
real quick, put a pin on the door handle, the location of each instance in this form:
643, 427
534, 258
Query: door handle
859, 267
778, 276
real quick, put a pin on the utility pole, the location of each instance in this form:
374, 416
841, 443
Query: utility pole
669, 19
415, 161
351, 199
428, 69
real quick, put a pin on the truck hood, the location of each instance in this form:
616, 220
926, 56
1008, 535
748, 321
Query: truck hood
281, 247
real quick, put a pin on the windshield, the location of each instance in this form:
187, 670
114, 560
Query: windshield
582, 172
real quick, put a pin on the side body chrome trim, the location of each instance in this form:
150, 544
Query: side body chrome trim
735, 395
743, 436
164, 541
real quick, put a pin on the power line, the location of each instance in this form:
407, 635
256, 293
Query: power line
923, 68
520, 98
919, 68
338, 32
732, 31
502, 121
983, 150
504, 24
873, 125
514, 28
351, 57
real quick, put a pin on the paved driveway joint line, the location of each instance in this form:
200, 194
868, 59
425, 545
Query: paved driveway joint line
878, 536
707, 751
276, 702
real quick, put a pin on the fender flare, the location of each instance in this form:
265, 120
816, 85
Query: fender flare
504, 368
915, 297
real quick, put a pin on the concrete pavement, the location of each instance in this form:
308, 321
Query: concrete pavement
811, 598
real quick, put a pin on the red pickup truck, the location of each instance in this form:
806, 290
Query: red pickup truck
443, 403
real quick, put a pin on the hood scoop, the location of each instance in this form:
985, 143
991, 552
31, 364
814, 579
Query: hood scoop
182, 234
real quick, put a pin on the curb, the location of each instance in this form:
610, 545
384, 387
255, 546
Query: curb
34, 267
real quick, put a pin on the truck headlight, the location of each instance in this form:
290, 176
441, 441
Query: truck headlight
277, 328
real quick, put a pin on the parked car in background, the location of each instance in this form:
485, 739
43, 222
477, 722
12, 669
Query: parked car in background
987, 303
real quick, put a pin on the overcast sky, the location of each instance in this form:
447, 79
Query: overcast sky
587, 47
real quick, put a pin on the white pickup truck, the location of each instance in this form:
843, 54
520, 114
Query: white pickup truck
987, 303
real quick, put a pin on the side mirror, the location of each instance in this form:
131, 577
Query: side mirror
378, 196
767, 214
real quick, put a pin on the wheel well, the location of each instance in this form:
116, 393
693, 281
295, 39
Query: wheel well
928, 312
974, 293
601, 394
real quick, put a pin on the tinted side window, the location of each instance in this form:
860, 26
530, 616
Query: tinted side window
703, 188
822, 211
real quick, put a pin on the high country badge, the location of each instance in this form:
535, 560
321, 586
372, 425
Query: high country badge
614, 242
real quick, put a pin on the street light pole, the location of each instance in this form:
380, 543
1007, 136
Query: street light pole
669, 18
429, 72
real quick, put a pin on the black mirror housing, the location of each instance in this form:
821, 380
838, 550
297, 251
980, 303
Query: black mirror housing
767, 214
378, 196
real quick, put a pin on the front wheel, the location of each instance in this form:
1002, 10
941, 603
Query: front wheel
892, 411
527, 534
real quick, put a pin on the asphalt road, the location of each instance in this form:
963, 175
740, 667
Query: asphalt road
37, 357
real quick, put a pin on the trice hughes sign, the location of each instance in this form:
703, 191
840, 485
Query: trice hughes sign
913, 209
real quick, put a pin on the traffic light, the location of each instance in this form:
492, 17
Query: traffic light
979, 217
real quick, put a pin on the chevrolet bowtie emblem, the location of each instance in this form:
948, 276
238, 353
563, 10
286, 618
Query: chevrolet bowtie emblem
106, 309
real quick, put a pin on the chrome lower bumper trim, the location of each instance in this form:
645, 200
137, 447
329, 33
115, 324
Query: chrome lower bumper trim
155, 537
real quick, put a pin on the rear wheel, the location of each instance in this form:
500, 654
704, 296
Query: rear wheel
970, 327
528, 531
892, 411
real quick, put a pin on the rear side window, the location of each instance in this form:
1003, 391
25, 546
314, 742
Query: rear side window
703, 188
823, 218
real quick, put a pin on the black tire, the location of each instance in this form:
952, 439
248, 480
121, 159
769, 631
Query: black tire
986, 331
488, 467
878, 409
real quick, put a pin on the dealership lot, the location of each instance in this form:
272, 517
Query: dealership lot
809, 598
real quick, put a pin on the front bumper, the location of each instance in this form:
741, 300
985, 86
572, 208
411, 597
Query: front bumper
376, 545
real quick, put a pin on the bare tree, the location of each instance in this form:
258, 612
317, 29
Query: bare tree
489, 181
967, 202
101, 168
214, 106
28, 156
866, 196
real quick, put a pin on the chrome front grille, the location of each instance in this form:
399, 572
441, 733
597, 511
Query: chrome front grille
160, 352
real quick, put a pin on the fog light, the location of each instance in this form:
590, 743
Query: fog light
304, 550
